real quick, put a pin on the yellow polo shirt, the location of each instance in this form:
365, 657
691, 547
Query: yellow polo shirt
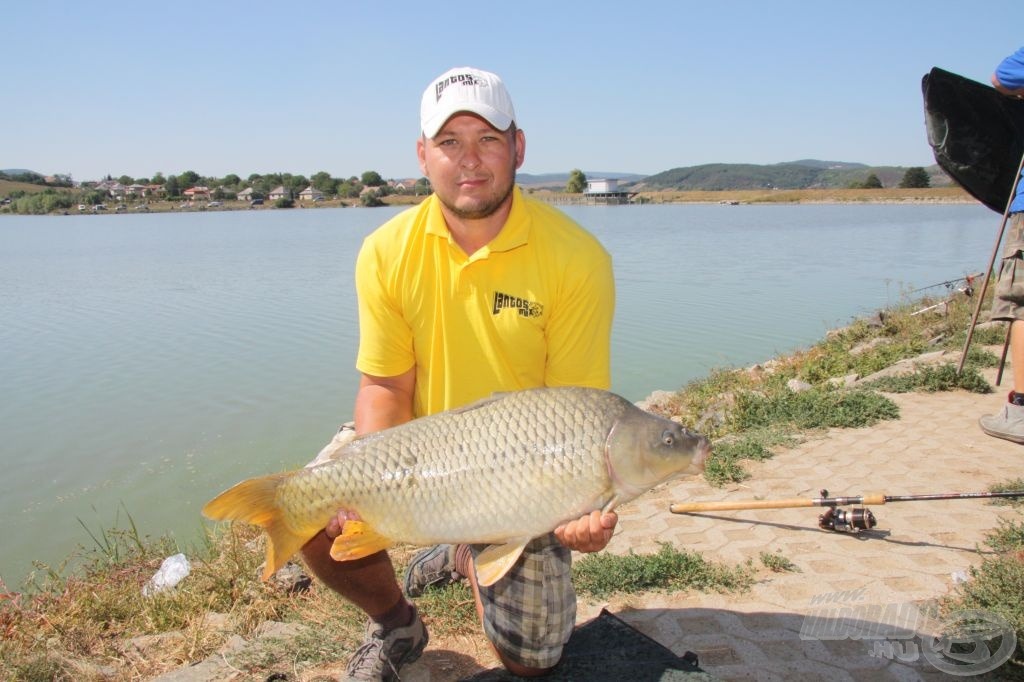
532, 308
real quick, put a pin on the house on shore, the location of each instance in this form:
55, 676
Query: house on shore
606, 191
311, 194
197, 192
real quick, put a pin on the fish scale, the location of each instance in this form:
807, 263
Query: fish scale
499, 472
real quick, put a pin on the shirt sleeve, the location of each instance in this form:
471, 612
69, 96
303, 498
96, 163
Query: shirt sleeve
580, 329
1010, 72
385, 338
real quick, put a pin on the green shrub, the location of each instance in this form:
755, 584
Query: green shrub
813, 409
602, 574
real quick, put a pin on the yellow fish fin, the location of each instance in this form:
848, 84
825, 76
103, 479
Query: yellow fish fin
495, 561
254, 501
356, 541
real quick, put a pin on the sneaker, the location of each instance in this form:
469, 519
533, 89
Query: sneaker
382, 654
433, 567
1008, 423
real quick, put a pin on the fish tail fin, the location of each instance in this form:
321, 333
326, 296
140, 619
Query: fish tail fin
255, 501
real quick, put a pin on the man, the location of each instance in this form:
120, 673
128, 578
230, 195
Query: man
477, 290
1008, 302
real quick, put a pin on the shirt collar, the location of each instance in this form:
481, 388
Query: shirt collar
514, 233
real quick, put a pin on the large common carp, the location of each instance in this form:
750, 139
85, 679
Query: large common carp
500, 472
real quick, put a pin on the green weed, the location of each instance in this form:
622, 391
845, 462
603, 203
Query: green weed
815, 408
601, 574
724, 465
931, 379
777, 563
997, 585
1014, 485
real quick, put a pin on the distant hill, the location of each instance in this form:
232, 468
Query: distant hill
804, 174
18, 171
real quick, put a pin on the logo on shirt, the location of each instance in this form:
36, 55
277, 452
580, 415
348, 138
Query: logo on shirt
525, 308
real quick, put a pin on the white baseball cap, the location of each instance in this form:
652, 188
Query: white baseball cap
465, 89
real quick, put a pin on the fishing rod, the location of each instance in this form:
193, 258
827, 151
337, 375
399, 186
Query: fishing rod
950, 282
835, 519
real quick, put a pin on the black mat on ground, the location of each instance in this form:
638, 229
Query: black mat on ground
606, 649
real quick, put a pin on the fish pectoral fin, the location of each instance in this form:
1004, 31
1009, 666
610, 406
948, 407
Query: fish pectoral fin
496, 560
357, 540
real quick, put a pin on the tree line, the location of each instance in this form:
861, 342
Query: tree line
56, 198
263, 184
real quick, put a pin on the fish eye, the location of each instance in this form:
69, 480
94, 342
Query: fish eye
667, 438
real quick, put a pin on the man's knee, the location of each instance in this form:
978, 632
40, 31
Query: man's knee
522, 670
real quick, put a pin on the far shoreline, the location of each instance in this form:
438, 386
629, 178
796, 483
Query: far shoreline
907, 196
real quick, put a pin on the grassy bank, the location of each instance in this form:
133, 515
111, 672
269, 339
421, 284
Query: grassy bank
96, 624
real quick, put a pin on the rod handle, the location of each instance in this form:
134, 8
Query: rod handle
686, 507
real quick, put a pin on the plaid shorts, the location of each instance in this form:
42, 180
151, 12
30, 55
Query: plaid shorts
1008, 299
530, 613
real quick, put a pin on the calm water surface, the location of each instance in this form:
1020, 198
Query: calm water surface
149, 361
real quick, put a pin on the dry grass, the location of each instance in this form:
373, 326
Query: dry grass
812, 196
8, 186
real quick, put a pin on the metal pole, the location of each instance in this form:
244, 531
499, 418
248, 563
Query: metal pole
991, 265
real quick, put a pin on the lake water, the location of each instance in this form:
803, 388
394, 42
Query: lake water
149, 361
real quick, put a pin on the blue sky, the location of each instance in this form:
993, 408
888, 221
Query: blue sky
637, 87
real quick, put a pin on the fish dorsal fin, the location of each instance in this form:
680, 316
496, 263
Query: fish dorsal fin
357, 540
496, 560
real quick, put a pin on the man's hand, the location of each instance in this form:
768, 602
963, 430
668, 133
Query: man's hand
337, 523
589, 533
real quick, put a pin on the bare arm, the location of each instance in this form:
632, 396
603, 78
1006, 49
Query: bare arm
1005, 90
381, 402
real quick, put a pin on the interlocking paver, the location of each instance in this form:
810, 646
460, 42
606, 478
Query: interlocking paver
911, 557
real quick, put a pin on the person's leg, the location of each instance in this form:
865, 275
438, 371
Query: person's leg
369, 583
529, 615
1017, 355
395, 634
1008, 304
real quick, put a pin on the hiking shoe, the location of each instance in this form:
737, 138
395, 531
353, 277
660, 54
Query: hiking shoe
433, 567
382, 654
1008, 423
